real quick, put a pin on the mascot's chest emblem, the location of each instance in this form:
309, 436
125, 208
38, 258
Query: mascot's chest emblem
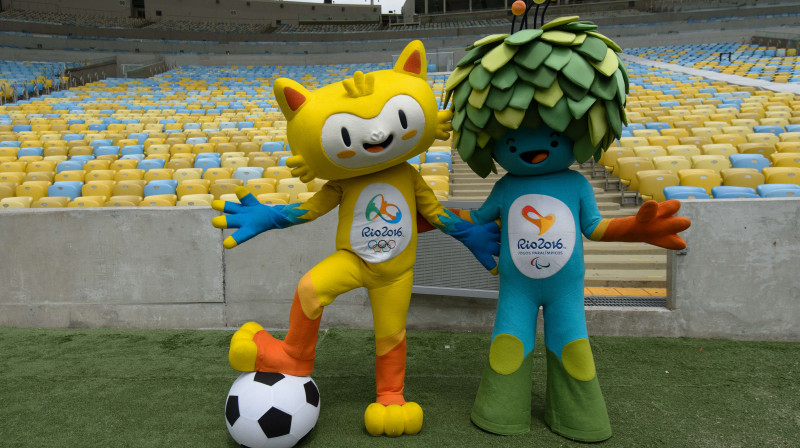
541, 235
381, 223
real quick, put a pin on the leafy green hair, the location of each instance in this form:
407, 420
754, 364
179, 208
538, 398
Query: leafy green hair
564, 74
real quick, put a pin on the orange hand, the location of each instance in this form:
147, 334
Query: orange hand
653, 224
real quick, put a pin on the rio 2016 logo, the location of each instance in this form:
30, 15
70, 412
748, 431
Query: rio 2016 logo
377, 207
542, 222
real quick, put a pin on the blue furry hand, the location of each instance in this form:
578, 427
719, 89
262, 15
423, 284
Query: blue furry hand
483, 240
250, 217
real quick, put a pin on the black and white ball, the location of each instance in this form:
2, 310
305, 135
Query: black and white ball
271, 410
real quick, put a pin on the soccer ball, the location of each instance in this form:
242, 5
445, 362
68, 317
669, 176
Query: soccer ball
271, 410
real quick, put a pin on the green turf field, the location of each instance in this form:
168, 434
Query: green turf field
136, 388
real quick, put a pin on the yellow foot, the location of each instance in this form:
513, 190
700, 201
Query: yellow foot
243, 351
393, 420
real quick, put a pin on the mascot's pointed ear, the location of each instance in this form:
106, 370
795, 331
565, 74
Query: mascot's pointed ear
291, 96
412, 60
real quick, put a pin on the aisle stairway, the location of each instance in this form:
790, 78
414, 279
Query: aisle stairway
608, 265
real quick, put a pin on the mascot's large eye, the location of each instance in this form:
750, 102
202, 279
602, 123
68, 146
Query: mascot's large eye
345, 137
403, 119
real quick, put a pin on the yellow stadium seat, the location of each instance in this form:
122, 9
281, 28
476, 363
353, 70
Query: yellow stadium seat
39, 175
195, 200
123, 164
235, 162
723, 149
756, 148
129, 174
663, 140
16, 202
248, 147
273, 198
159, 200
437, 183
732, 139
123, 201
762, 137
706, 179
696, 140
645, 133
293, 186
203, 147
51, 202
261, 186
263, 162
434, 169
87, 201
188, 188
652, 183
42, 165
685, 151
158, 173
187, 173
213, 174
102, 188
13, 167
672, 163
675, 132
631, 142
782, 175
99, 175
33, 189
218, 189
129, 187
157, 149
791, 159
303, 197
612, 154
226, 147
711, 162
74, 175
742, 177
92, 165
278, 172
789, 137
787, 146
178, 163
649, 152
80, 151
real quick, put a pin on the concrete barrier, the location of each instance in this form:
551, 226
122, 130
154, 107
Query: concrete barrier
165, 268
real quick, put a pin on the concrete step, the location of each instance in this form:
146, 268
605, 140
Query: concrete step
612, 248
627, 278
630, 262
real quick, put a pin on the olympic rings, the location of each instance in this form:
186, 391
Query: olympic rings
382, 245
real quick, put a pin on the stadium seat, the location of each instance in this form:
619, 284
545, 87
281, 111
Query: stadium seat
293, 186
70, 189
731, 192
782, 175
195, 200
87, 201
16, 202
652, 183
706, 179
785, 159
273, 198
684, 192
160, 187
778, 190
161, 200
742, 177
50, 202
129, 188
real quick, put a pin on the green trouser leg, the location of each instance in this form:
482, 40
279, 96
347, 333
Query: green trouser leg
503, 404
573, 408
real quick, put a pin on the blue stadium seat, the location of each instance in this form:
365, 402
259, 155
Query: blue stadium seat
102, 142
206, 163
141, 136
137, 157
768, 128
68, 188
272, 146
30, 151
730, 192
149, 164
282, 161
71, 137
132, 149
196, 140
684, 192
757, 161
11, 143
441, 157
246, 173
160, 186
69, 165
414, 160
107, 150
778, 190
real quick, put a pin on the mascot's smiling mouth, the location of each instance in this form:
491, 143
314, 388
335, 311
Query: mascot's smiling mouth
380, 146
534, 157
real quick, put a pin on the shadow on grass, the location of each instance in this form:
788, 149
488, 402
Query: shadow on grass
161, 388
